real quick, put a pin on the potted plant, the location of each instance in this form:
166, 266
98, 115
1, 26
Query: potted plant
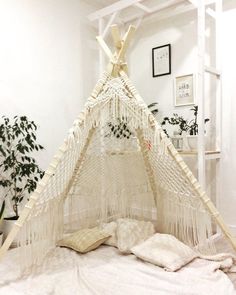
190, 128
19, 172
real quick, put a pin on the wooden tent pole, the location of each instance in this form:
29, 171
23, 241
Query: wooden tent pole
79, 163
129, 35
187, 172
43, 182
116, 37
116, 59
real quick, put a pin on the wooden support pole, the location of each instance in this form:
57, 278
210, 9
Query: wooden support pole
116, 37
201, 94
126, 41
117, 59
117, 6
143, 7
110, 22
79, 163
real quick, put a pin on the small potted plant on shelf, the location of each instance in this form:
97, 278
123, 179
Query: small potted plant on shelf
19, 172
189, 128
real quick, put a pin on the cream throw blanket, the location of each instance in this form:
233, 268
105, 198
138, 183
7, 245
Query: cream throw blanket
224, 261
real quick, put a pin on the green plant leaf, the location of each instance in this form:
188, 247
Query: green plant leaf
20, 170
2, 151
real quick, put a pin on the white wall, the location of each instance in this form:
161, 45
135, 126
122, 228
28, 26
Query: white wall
181, 33
182, 36
47, 65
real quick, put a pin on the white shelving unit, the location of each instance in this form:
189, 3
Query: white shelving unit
202, 71
115, 12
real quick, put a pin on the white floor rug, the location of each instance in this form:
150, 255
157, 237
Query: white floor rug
105, 272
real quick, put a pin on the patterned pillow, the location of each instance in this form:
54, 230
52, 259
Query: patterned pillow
84, 240
165, 251
110, 228
131, 232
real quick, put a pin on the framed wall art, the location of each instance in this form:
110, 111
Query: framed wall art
161, 60
184, 90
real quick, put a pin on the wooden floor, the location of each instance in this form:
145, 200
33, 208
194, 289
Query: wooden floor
223, 246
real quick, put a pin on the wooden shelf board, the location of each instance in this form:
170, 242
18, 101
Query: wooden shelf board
209, 154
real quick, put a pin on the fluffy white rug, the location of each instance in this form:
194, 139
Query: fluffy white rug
105, 271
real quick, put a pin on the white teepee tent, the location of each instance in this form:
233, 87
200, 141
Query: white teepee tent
115, 162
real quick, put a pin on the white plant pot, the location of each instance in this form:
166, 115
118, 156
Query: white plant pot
178, 142
7, 227
192, 141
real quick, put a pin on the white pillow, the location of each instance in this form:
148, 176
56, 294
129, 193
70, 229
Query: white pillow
165, 251
131, 232
110, 228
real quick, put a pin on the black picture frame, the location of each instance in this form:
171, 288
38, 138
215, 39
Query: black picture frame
161, 60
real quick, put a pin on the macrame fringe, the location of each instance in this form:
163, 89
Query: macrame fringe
187, 221
39, 234
113, 103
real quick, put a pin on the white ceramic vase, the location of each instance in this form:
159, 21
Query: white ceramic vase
192, 141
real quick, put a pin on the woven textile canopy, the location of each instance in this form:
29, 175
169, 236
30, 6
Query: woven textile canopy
115, 162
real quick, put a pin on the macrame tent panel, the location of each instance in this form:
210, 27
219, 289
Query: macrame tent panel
108, 171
